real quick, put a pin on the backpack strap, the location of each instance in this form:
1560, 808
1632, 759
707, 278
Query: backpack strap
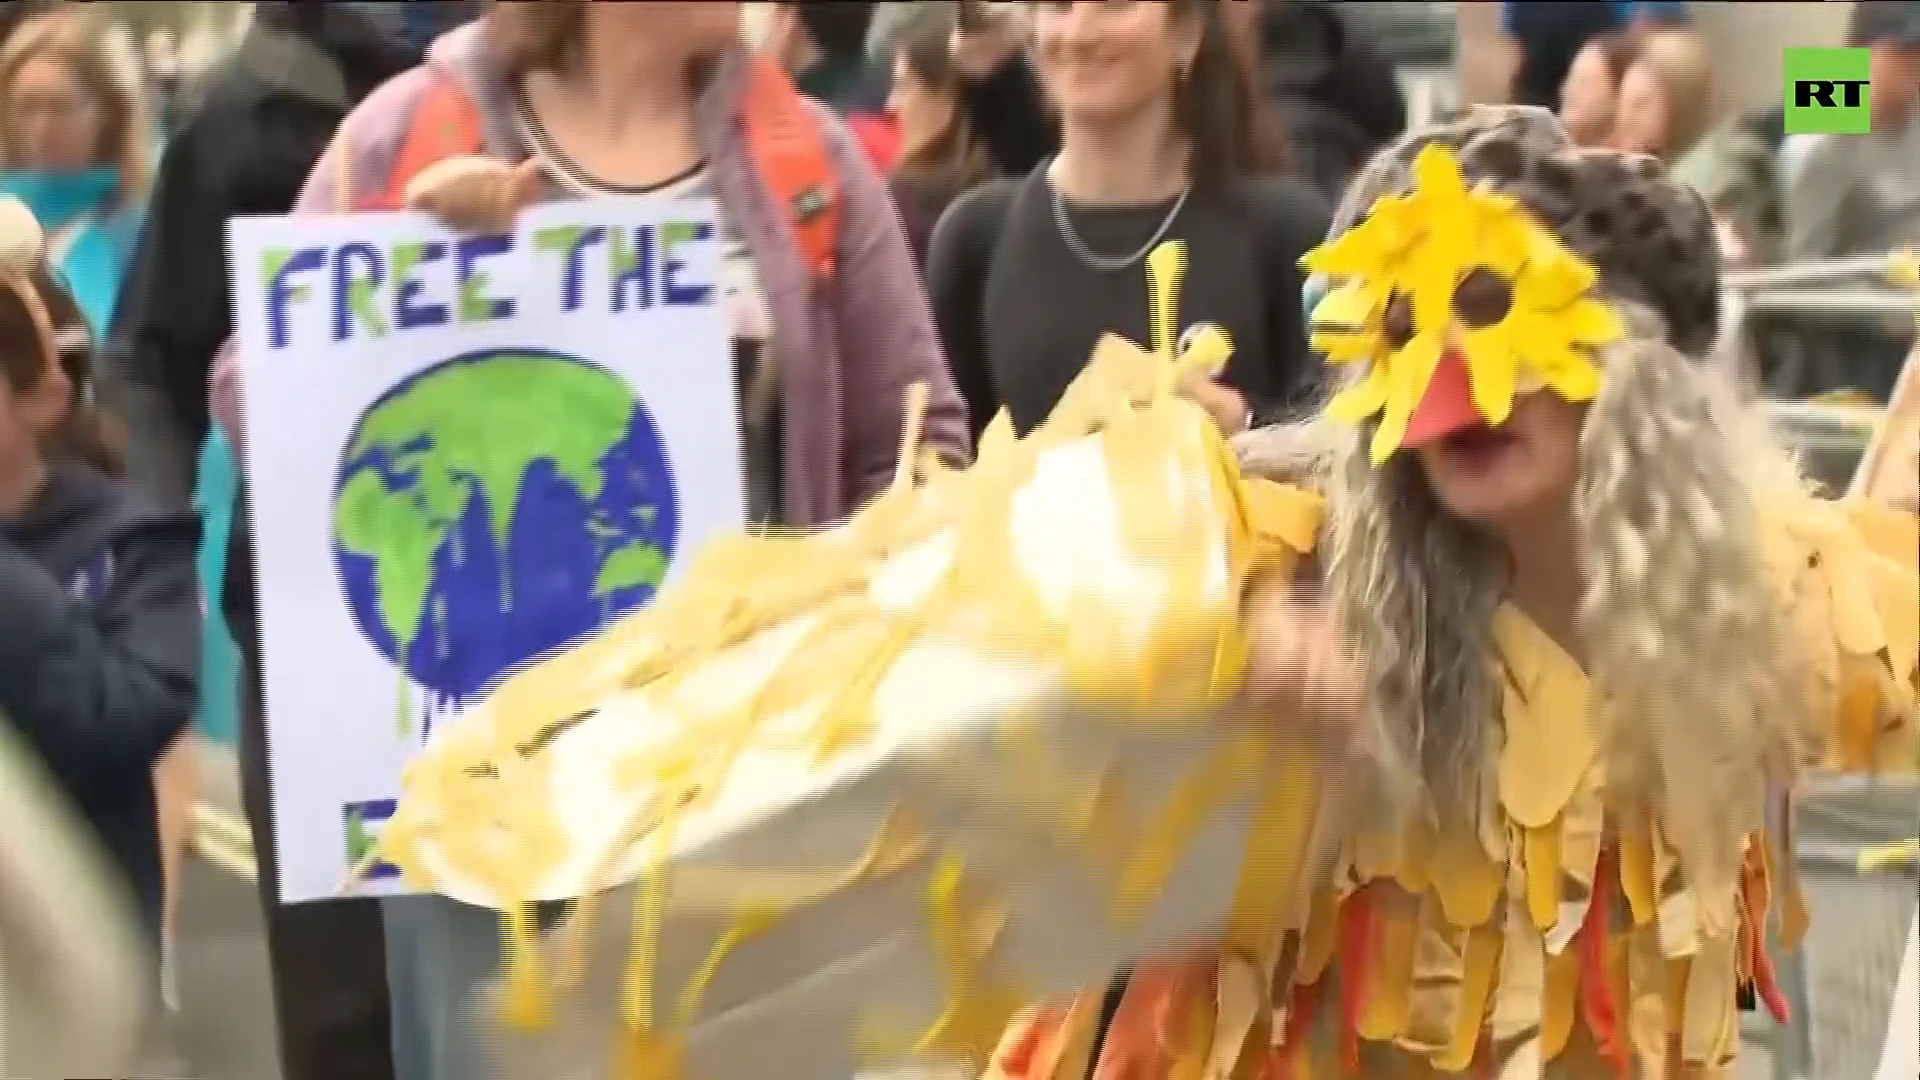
788, 146
446, 124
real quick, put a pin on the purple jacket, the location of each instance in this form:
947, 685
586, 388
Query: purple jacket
846, 353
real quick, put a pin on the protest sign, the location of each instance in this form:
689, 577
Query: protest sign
463, 453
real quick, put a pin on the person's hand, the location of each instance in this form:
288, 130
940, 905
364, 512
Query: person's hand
475, 194
1223, 403
980, 48
1301, 671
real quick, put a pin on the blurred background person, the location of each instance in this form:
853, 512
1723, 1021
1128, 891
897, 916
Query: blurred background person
1852, 195
1160, 140
1335, 95
1737, 170
1860, 195
261, 119
940, 154
823, 45
76, 146
1547, 35
1590, 96
1666, 97
1000, 93
99, 619
1322, 90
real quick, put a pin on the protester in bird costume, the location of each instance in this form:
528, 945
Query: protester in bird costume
1601, 625
1448, 733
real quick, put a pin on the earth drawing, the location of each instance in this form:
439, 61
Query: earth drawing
493, 508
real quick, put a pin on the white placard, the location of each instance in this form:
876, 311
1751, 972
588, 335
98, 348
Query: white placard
463, 452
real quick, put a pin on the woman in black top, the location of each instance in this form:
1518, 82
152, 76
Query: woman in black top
1158, 144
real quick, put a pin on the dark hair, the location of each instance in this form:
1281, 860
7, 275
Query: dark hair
85, 434
1232, 133
838, 27
958, 158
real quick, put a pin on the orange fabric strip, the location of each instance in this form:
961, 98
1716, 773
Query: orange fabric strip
1305, 1002
1357, 938
789, 152
1017, 1058
1596, 991
1754, 927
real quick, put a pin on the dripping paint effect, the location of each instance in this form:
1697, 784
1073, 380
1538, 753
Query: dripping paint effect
400, 703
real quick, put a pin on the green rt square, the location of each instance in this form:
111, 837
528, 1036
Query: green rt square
1826, 92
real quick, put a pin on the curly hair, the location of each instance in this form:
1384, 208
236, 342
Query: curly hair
1675, 470
1706, 692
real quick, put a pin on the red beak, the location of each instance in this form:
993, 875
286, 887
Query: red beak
1447, 406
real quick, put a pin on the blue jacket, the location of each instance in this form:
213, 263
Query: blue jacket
92, 240
100, 652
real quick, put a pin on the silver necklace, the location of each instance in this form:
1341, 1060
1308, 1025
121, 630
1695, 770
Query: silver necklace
1108, 264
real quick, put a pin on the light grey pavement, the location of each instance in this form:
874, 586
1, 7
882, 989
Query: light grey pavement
1862, 921
225, 1027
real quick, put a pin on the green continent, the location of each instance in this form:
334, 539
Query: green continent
638, 563
470, 430
400, 537
359, 840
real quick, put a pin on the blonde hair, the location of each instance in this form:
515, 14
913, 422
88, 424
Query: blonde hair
1679, 61
100, 63
1702, 697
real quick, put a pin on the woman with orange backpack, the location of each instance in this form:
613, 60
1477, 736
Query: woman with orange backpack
569, 99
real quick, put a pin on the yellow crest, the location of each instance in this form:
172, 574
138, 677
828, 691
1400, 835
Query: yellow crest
1447, 267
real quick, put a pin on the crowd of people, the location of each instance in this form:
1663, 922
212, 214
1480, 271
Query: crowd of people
1637, 76
1000, 175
